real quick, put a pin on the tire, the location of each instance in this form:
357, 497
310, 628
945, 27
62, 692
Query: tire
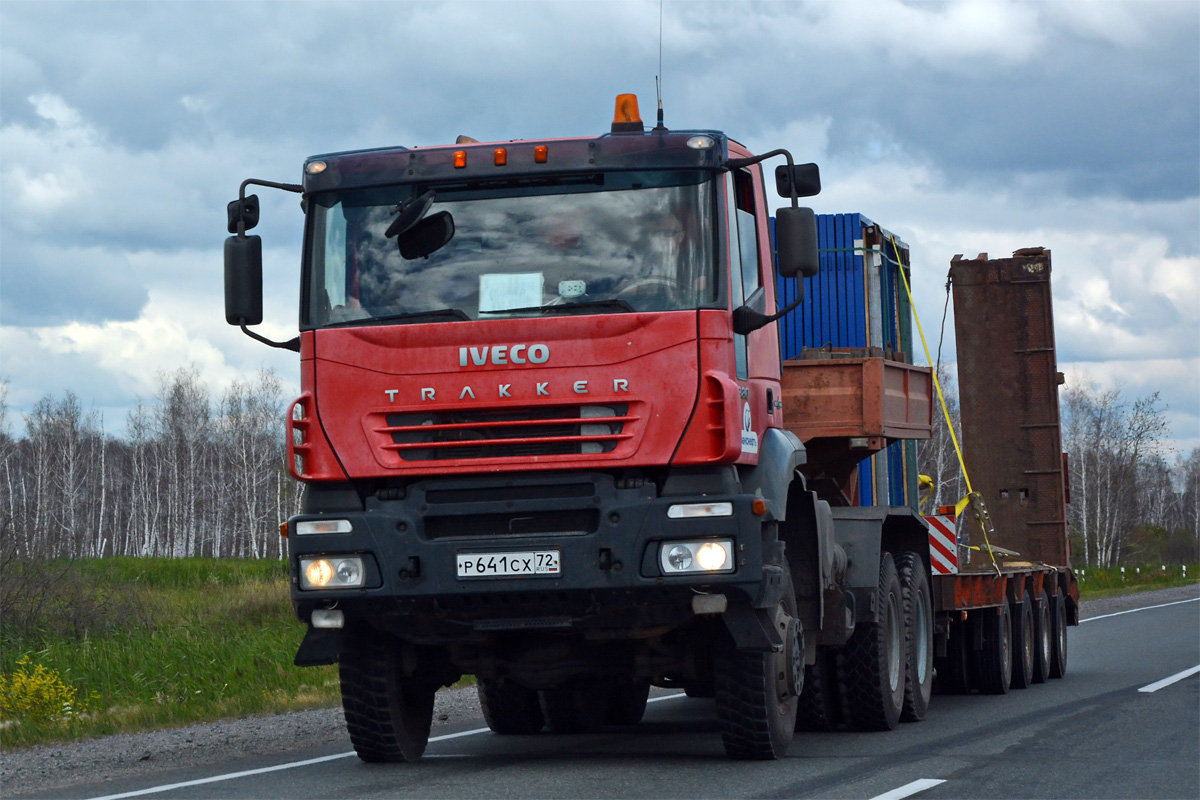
1041, 639
918, 636
700, 689
627, 702
1058, 636
387, 715
1023, 644
509, 708
955, 671
819, 708
994, 664
756, 712
575, 708
871, 665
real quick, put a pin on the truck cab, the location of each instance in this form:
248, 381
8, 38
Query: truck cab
541, 431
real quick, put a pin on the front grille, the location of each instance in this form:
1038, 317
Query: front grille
523, 523
507, 432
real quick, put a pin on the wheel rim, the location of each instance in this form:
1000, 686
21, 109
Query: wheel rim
893, 640
922, 637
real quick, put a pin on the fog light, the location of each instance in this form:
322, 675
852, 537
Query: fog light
328, 618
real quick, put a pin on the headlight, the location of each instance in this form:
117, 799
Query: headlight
714, 555
331, 572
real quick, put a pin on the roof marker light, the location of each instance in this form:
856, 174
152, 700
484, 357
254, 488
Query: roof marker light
460, 159
315, 167
501, 156
540, 152
701, 142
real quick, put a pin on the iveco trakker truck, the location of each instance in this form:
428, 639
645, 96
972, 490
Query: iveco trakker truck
548, 440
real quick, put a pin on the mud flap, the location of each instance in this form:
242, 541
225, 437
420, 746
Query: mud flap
320, 646
753, 629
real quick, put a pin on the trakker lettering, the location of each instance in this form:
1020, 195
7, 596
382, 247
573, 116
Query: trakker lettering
539, 389
503, 355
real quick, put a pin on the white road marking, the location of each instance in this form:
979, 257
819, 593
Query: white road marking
1135, 610
909, 789
229, 776
1178, 676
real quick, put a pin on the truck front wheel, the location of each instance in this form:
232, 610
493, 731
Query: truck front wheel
509, 708
387, 714
871, 666
757, 693
579, 707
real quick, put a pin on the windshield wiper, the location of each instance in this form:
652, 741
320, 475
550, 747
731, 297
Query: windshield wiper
407, 318
586, 307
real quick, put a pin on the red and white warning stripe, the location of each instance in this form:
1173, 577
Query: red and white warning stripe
943, 545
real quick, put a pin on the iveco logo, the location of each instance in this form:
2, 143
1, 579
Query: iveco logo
503, 354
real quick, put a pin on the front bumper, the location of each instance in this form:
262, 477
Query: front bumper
611, 582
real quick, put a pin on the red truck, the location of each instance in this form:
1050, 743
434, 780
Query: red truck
547, 439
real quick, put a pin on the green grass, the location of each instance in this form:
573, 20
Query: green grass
1095, 584
190, 640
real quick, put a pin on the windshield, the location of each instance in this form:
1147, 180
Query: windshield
600, 243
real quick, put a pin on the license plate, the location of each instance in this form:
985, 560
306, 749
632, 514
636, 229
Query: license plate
527, 563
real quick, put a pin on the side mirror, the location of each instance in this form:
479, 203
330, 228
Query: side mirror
243, 280
805, 177
796, 242
244, 211
427, 236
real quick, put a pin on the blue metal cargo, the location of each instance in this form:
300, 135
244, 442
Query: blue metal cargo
857, 300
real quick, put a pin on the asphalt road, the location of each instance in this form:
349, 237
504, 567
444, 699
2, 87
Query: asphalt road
1108, 730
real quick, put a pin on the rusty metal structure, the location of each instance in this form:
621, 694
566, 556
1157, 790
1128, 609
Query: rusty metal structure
1009, 379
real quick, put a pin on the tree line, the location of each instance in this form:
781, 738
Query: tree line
195, 475
1130, 504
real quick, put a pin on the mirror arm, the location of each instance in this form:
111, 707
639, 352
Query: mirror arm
746, 319
738, 163
287, 187
290, 344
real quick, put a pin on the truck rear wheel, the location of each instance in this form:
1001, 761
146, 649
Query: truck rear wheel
756, 704
871, 665
627, 702
575, 708
1023, 644
1058, 638
994, 666
387, 714
819, 709
1041, 637
918, 636
509, 708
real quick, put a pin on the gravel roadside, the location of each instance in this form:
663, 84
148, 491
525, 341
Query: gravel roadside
46, 767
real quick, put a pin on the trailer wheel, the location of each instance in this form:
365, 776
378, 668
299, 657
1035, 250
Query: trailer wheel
819, 709
627, 702
575, 708
756, 696
387, 715
1058, 636
1041, 639
995, 665
954, 672
918, 636
1023, 645
871, 665
509, 708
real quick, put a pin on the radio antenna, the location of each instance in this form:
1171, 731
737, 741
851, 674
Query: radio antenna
658, 77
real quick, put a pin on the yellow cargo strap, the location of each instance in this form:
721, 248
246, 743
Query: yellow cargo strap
973, 498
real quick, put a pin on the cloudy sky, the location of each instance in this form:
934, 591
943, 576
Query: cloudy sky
963, 126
